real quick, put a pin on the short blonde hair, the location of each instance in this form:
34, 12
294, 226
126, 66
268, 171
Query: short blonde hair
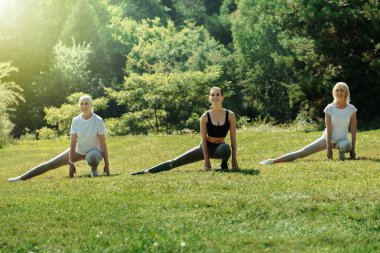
344, 86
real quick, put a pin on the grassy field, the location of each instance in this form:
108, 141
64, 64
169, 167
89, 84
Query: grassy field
309, 205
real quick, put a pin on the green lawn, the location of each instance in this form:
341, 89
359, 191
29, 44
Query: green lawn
310, 205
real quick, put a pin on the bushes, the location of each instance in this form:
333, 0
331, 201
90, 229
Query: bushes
10, 94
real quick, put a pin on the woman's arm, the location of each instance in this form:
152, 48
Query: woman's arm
328, 135
353, 123
73, 143
203, 127
233, 140
104, 149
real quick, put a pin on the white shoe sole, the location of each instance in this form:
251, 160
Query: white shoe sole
266, 162
14, 179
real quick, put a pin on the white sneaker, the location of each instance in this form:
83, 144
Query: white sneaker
14, 179
94, 173
267, 162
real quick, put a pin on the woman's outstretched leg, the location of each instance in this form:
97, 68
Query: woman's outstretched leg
314, 147
193, 155
56, 162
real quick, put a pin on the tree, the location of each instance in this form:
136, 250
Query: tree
69, 73
163, 49
256, 28
142, 9
347, 38
164, 102
291, 53
10, 95
88, 23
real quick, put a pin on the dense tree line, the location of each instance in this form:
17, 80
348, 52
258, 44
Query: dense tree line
150, 62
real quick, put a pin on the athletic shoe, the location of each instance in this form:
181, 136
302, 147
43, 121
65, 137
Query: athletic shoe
138, 172
341, 156
224, 166
267, 162
94, 173
14, 179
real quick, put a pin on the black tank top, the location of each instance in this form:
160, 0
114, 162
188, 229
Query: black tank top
217, 131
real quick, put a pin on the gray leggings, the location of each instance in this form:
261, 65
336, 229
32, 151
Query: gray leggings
218, 151
320, 144
93, 158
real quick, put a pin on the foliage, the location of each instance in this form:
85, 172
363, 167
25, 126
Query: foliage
10, 95
256, 29
279, 58
130, 123
347, 39
291, 53
46, 133
61, 118
142, 9
309, 205
69, 73
163, 49
88, 23
212, 14
27, 37
165, 102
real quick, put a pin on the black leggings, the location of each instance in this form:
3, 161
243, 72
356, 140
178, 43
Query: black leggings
218, 151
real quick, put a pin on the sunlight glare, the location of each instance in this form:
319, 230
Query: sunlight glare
5, 7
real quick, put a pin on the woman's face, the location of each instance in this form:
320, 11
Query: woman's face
216, 96
340, 93
85, 105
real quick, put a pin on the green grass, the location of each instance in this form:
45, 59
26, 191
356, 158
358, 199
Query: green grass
309, 205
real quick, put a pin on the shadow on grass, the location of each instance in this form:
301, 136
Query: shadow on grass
102, 175
252, 172
364, 158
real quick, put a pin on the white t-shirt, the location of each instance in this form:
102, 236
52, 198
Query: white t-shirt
87, 132
340, 120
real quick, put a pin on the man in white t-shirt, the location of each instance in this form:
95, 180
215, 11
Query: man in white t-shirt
87, 142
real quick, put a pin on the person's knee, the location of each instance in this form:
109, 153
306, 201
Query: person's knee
344, 146
223, 151
93, 158
347, 147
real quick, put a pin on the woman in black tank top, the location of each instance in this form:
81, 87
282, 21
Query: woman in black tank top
214, 125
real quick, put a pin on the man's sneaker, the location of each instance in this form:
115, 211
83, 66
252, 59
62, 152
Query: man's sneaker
14, 179
341, 156
224, 166
94, 173
267, 162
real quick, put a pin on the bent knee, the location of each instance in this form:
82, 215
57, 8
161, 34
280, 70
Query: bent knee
94, 157
344, 146
223, 151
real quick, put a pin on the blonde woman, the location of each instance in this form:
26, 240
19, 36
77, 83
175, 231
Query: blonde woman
88, 141
339, 116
